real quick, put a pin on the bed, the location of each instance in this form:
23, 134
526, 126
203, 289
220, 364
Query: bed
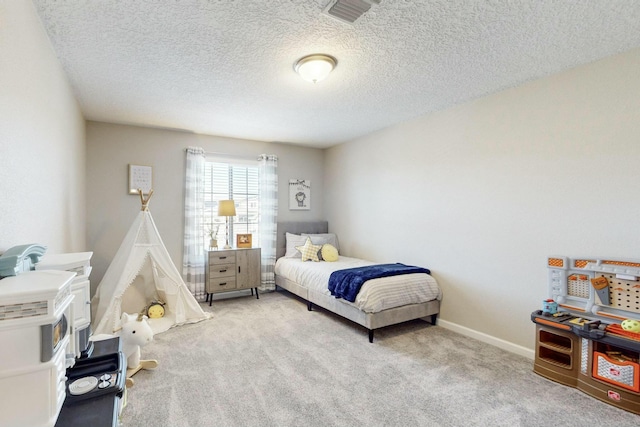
415, 296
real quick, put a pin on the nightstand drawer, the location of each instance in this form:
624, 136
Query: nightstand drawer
222, 270
222, 258
221, 284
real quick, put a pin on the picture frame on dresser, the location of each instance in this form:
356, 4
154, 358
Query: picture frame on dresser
243, 241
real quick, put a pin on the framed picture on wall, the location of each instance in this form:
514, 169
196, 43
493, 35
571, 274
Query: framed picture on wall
299, 194
243, 241
140, 177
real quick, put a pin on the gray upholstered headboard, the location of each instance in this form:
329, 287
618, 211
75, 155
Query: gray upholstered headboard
310, 227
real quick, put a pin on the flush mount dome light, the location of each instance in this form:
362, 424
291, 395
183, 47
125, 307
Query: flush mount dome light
315, 67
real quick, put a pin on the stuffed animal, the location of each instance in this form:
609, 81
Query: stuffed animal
155, 310
135, 333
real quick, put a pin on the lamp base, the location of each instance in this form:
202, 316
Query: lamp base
227, 247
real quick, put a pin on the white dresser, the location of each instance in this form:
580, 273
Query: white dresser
80, 322
35, 308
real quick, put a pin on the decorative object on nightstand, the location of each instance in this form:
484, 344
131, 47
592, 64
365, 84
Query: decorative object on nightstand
232, 270
243, 241
227, 208
213, 236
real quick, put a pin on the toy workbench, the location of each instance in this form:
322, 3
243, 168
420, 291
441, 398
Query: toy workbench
588, 330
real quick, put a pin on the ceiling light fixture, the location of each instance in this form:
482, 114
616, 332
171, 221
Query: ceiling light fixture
315, 67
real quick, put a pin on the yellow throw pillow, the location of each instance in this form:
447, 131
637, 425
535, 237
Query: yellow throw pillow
309, 251
329, 253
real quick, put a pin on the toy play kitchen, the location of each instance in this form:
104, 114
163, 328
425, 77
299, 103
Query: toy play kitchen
95, 388
50, 374
34, 331
80, 325
588, 329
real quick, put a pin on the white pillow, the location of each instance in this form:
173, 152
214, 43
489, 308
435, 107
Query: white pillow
294, 240
324, 239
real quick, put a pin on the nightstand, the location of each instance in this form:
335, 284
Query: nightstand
232, 270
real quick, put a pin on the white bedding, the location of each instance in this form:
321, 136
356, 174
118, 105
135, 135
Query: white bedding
376, 294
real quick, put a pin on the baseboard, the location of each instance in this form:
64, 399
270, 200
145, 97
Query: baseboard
505, 345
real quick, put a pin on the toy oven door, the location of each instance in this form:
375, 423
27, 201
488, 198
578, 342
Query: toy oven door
52, 336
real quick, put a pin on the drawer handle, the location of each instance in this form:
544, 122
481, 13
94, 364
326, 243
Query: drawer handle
223, 271
222, 284
223, 257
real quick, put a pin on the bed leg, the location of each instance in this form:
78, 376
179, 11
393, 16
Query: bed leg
309, 305
371, 335
433, 318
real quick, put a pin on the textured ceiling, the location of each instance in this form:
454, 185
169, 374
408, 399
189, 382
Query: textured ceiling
225, 67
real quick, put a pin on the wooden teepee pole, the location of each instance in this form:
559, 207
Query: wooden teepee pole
145, 202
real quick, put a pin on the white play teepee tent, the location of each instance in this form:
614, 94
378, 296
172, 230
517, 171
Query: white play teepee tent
142, 272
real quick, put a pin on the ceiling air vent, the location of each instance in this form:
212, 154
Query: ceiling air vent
348, 10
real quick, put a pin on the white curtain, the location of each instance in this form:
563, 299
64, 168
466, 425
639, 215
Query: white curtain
268, 172
193, 256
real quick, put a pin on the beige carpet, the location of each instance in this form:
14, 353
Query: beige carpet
270, 362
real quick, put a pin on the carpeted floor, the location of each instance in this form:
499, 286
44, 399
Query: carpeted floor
270, 362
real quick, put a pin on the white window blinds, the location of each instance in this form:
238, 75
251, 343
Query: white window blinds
227, 179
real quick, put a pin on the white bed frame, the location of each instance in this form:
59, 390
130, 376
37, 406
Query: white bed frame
371, 321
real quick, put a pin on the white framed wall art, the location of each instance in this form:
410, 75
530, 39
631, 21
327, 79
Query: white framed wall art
299, 194
140, 177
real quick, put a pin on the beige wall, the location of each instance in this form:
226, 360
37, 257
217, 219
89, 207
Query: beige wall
482, 193
111, 148
42, 151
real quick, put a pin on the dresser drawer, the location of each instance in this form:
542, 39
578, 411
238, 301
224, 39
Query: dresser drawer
221, 284
222, 270
222, 258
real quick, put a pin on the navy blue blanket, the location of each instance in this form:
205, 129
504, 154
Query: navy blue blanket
347, 283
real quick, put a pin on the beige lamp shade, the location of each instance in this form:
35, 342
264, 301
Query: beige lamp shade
226, 208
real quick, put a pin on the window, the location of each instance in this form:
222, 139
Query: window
231, 179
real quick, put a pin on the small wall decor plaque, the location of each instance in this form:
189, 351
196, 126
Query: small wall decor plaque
299, 194
140, 177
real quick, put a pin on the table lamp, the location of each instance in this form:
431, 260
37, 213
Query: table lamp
227, 208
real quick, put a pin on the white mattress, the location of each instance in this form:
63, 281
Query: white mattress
374, 296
